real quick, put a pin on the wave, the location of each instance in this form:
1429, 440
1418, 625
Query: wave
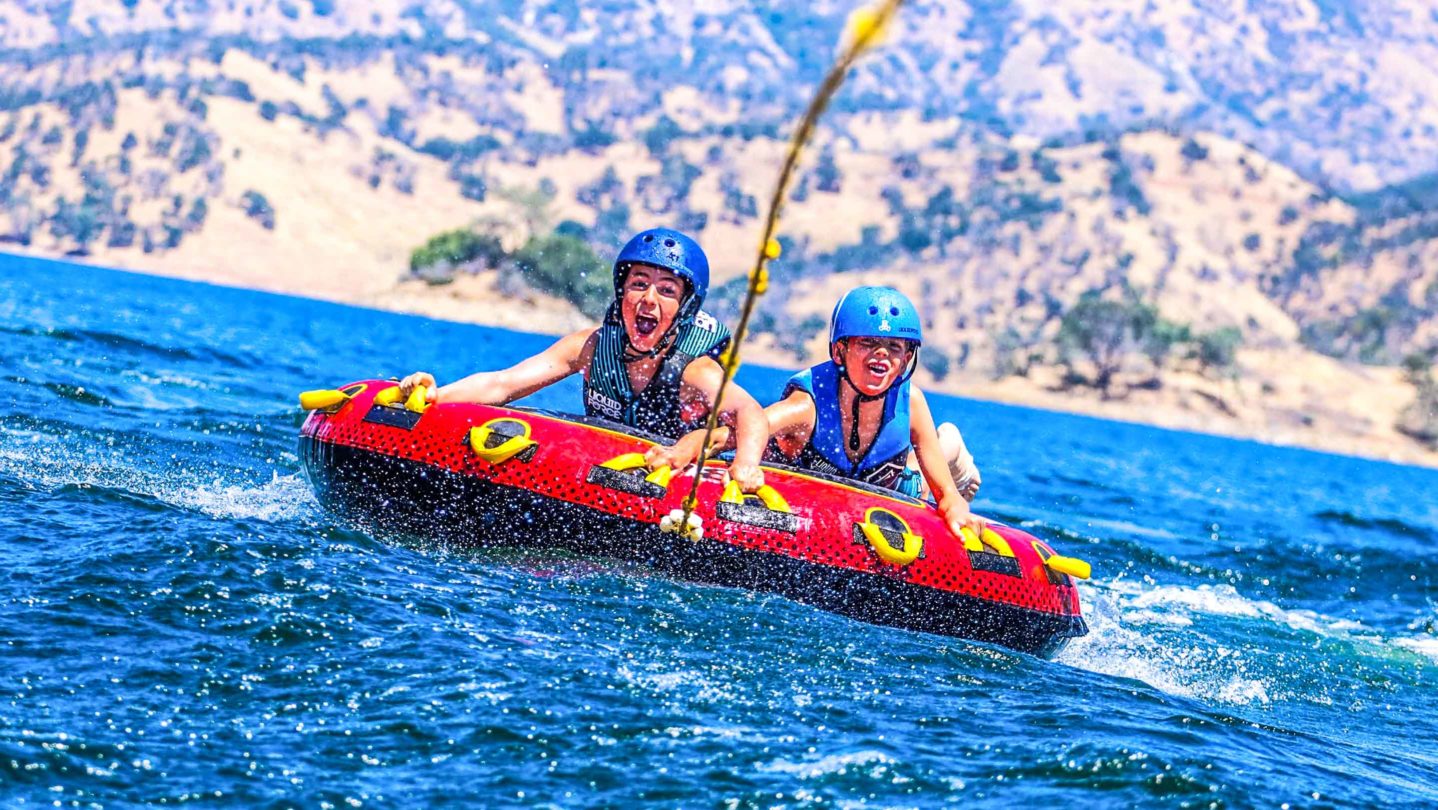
115, 341
1391, 525
77, 394
39, 462
1123, 646
1152, 633
1426, 646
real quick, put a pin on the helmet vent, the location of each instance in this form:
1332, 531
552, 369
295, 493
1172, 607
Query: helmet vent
649, 237
669, 243
894, 311
873, 310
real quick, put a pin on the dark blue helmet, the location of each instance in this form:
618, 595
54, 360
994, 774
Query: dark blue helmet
875, 312
673, 251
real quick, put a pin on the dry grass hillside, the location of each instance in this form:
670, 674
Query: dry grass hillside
1162, 273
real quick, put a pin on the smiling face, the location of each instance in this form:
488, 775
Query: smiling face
873, 364
651, 300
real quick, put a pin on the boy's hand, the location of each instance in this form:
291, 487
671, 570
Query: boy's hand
954, 509
678, 456
415, 380
749, 477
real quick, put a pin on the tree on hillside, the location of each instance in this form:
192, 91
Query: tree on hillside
257, 207
605, 191
1217, 351
658, 137
592, 138
567, 267
78, 222
1157, 335
741, 206
1420, 419
1124, 189
1417, 368
1102, 332
533, 204
945, 217
1015, 352
827, 175
1106, 333
437, 260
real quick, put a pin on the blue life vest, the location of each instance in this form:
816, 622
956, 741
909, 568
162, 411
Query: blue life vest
887, 459
607, 392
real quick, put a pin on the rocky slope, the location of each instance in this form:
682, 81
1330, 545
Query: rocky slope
1001, 162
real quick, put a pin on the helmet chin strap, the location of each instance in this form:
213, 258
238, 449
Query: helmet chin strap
633, 355
861, 398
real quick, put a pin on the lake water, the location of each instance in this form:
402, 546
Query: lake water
181, 621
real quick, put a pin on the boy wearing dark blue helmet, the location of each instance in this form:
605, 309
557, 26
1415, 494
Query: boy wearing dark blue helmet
650, 365
858, 416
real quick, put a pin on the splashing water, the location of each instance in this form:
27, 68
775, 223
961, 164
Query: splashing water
182, 622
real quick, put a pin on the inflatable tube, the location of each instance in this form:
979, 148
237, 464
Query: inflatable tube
484, 475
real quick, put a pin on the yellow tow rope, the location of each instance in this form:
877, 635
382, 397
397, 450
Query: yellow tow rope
865, 29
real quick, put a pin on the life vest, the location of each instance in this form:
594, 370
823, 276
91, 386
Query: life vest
607, 392
887, 458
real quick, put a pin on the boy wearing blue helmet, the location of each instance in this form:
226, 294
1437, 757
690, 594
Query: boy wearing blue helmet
858, 416
650, 365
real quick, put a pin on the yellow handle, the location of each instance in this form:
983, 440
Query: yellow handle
416, 401
635, 461
990, 538
971, 540
504, 451
625, 463
1072, 566
913, 544
323, 399
773, 501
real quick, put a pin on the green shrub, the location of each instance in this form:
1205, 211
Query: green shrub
1420, 419
936, 362
658, 137
1160, 338
1218, 350
1418, 368
258, 208
438, 258
567, 267
1103, 332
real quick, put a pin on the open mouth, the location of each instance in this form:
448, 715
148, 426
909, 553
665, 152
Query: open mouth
878, 369
644, 326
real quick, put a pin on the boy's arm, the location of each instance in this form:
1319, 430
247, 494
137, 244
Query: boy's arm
738, 410
788, 418
566, 356
952, 506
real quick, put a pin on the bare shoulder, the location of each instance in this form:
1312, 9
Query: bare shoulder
576, 348
704, 366
794, 411
704, 372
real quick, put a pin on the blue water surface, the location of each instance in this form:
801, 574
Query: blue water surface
182, 622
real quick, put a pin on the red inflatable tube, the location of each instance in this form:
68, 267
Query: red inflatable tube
509, 476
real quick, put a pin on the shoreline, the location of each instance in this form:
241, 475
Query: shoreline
540, 314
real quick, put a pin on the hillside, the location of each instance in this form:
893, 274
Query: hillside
1342, 90
1001, 163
